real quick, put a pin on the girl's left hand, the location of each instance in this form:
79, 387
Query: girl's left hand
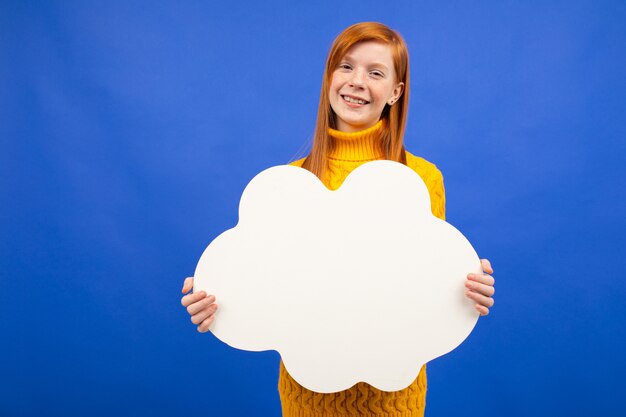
480, 288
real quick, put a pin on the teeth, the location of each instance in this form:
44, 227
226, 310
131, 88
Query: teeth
354, 100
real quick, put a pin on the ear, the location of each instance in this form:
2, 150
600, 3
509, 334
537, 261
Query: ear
396, 93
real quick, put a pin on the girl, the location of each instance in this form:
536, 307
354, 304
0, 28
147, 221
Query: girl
361, 118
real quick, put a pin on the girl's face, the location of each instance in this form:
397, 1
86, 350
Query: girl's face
362, 84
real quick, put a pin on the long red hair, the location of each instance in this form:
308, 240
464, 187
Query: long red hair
394, 117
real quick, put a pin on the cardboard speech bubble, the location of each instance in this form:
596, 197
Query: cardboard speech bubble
358, 284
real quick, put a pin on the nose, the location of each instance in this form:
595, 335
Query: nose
357, 79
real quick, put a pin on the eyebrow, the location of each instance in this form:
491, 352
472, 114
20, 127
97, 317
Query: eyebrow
376, 64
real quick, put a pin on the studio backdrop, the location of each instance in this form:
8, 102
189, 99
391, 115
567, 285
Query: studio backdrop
128, 131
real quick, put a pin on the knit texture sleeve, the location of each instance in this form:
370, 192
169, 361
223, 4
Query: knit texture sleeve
433, 179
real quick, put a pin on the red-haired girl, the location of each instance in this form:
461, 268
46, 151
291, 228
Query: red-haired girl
361, 118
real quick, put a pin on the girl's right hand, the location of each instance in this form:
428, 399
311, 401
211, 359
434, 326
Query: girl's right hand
200, 307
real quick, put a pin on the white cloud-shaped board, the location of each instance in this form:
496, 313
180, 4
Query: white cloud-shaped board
358, 284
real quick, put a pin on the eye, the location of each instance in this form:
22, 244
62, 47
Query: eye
345, 66
377, 74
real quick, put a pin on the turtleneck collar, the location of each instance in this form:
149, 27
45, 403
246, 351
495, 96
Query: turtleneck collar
363, 145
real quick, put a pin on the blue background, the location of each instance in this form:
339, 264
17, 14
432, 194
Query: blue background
129, 129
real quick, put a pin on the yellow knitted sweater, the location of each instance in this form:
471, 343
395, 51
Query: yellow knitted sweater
349, 151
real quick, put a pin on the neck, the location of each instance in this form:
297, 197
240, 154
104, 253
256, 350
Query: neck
363, 145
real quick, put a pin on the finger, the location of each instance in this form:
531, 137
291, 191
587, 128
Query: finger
482, 310
201, 305
192, 298
203, 314
486, 266
480, 299
478, 287
187, 285
204, 327
482, 278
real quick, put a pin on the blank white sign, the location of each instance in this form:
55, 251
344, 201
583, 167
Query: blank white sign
358, 284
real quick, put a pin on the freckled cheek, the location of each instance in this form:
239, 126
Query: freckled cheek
334, 90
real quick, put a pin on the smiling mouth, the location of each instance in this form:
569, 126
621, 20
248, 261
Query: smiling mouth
352, 100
